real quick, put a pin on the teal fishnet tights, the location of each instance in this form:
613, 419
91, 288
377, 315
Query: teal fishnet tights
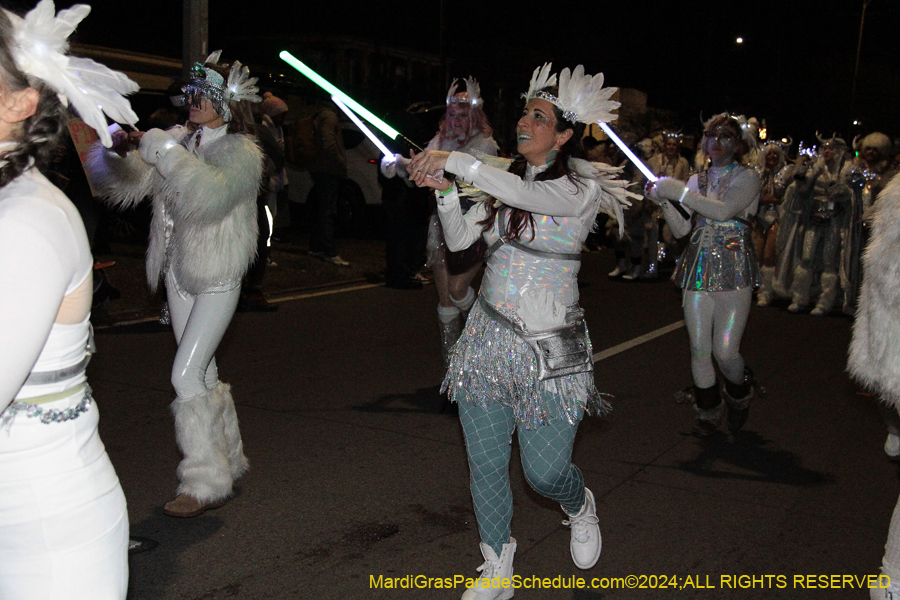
546, 454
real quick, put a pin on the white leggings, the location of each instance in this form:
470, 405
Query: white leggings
715, 323
199, 323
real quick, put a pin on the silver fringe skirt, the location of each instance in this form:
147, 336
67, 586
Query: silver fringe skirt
491, 364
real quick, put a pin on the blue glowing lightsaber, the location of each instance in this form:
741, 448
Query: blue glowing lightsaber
637, 162
362, 127
350, 102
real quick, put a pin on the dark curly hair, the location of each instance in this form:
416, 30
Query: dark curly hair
520, 220
38, 136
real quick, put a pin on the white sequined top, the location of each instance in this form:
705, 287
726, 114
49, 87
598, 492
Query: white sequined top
563, 212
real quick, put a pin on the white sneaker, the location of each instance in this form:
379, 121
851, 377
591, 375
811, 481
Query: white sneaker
585, 543
337, 260
891, 592
489, 586
892, 445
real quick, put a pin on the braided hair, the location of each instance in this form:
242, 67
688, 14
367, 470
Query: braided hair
38, 136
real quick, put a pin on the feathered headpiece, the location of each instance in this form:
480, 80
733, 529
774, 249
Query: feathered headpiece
206, 82
473, 93
39, 49
582, 98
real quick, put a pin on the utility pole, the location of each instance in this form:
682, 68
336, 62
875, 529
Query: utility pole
194, 34
862, 21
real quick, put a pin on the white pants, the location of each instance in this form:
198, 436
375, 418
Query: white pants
715, 324
199, 323
63, 520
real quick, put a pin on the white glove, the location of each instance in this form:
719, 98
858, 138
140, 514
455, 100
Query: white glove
669, 188
155, 144
540, 310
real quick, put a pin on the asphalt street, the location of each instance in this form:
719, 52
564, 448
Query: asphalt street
356, 473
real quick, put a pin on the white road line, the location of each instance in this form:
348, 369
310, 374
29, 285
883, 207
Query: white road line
326, 292
272, 301
637, 341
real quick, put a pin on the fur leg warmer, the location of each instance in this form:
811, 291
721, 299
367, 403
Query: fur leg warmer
767, 274
204, 471
830, 283
237, 461
802, 282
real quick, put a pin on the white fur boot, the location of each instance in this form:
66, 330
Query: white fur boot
489, 586
204, 471
802, 282
237, 461
830, 284
767, 274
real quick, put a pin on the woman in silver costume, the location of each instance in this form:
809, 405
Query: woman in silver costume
464, 128
718, 270
829, 202
63, 519
541, 207
765, 230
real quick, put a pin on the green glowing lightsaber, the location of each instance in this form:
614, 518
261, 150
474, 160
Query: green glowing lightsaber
353, 104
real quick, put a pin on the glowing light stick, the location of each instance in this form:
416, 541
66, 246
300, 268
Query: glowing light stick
637, 162
362, 127
350, 102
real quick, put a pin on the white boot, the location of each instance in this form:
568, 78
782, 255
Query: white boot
829, 293
585, 542
891, 592
450, 325
634, 272
621, 268
802, 282
764, 296
489, 586
204, 471
237, 461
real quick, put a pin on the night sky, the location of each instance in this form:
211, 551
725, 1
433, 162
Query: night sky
795, 67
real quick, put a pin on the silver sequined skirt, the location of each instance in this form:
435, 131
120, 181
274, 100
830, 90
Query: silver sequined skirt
491, 364
720, 257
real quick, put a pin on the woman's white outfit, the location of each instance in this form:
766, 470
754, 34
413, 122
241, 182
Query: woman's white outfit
63, 520
202, 239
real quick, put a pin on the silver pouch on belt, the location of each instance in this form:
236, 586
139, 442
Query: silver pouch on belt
559, 351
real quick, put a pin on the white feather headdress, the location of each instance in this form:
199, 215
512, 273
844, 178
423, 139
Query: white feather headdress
473, 93
208, 83
39, 49
582, 98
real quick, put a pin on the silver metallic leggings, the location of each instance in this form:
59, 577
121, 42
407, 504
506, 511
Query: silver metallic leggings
715, 323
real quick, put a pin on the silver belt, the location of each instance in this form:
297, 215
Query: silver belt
49, 377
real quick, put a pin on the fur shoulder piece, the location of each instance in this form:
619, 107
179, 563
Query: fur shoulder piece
612, 191
875, 348
123, 182
205, 187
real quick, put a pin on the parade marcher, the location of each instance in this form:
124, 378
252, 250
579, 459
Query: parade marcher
828, 218
629, 246
464, 128
541, 208
718, 270
203, 181
63, 518
765, 229
874, 354
868, 174
669, 163
793, 216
